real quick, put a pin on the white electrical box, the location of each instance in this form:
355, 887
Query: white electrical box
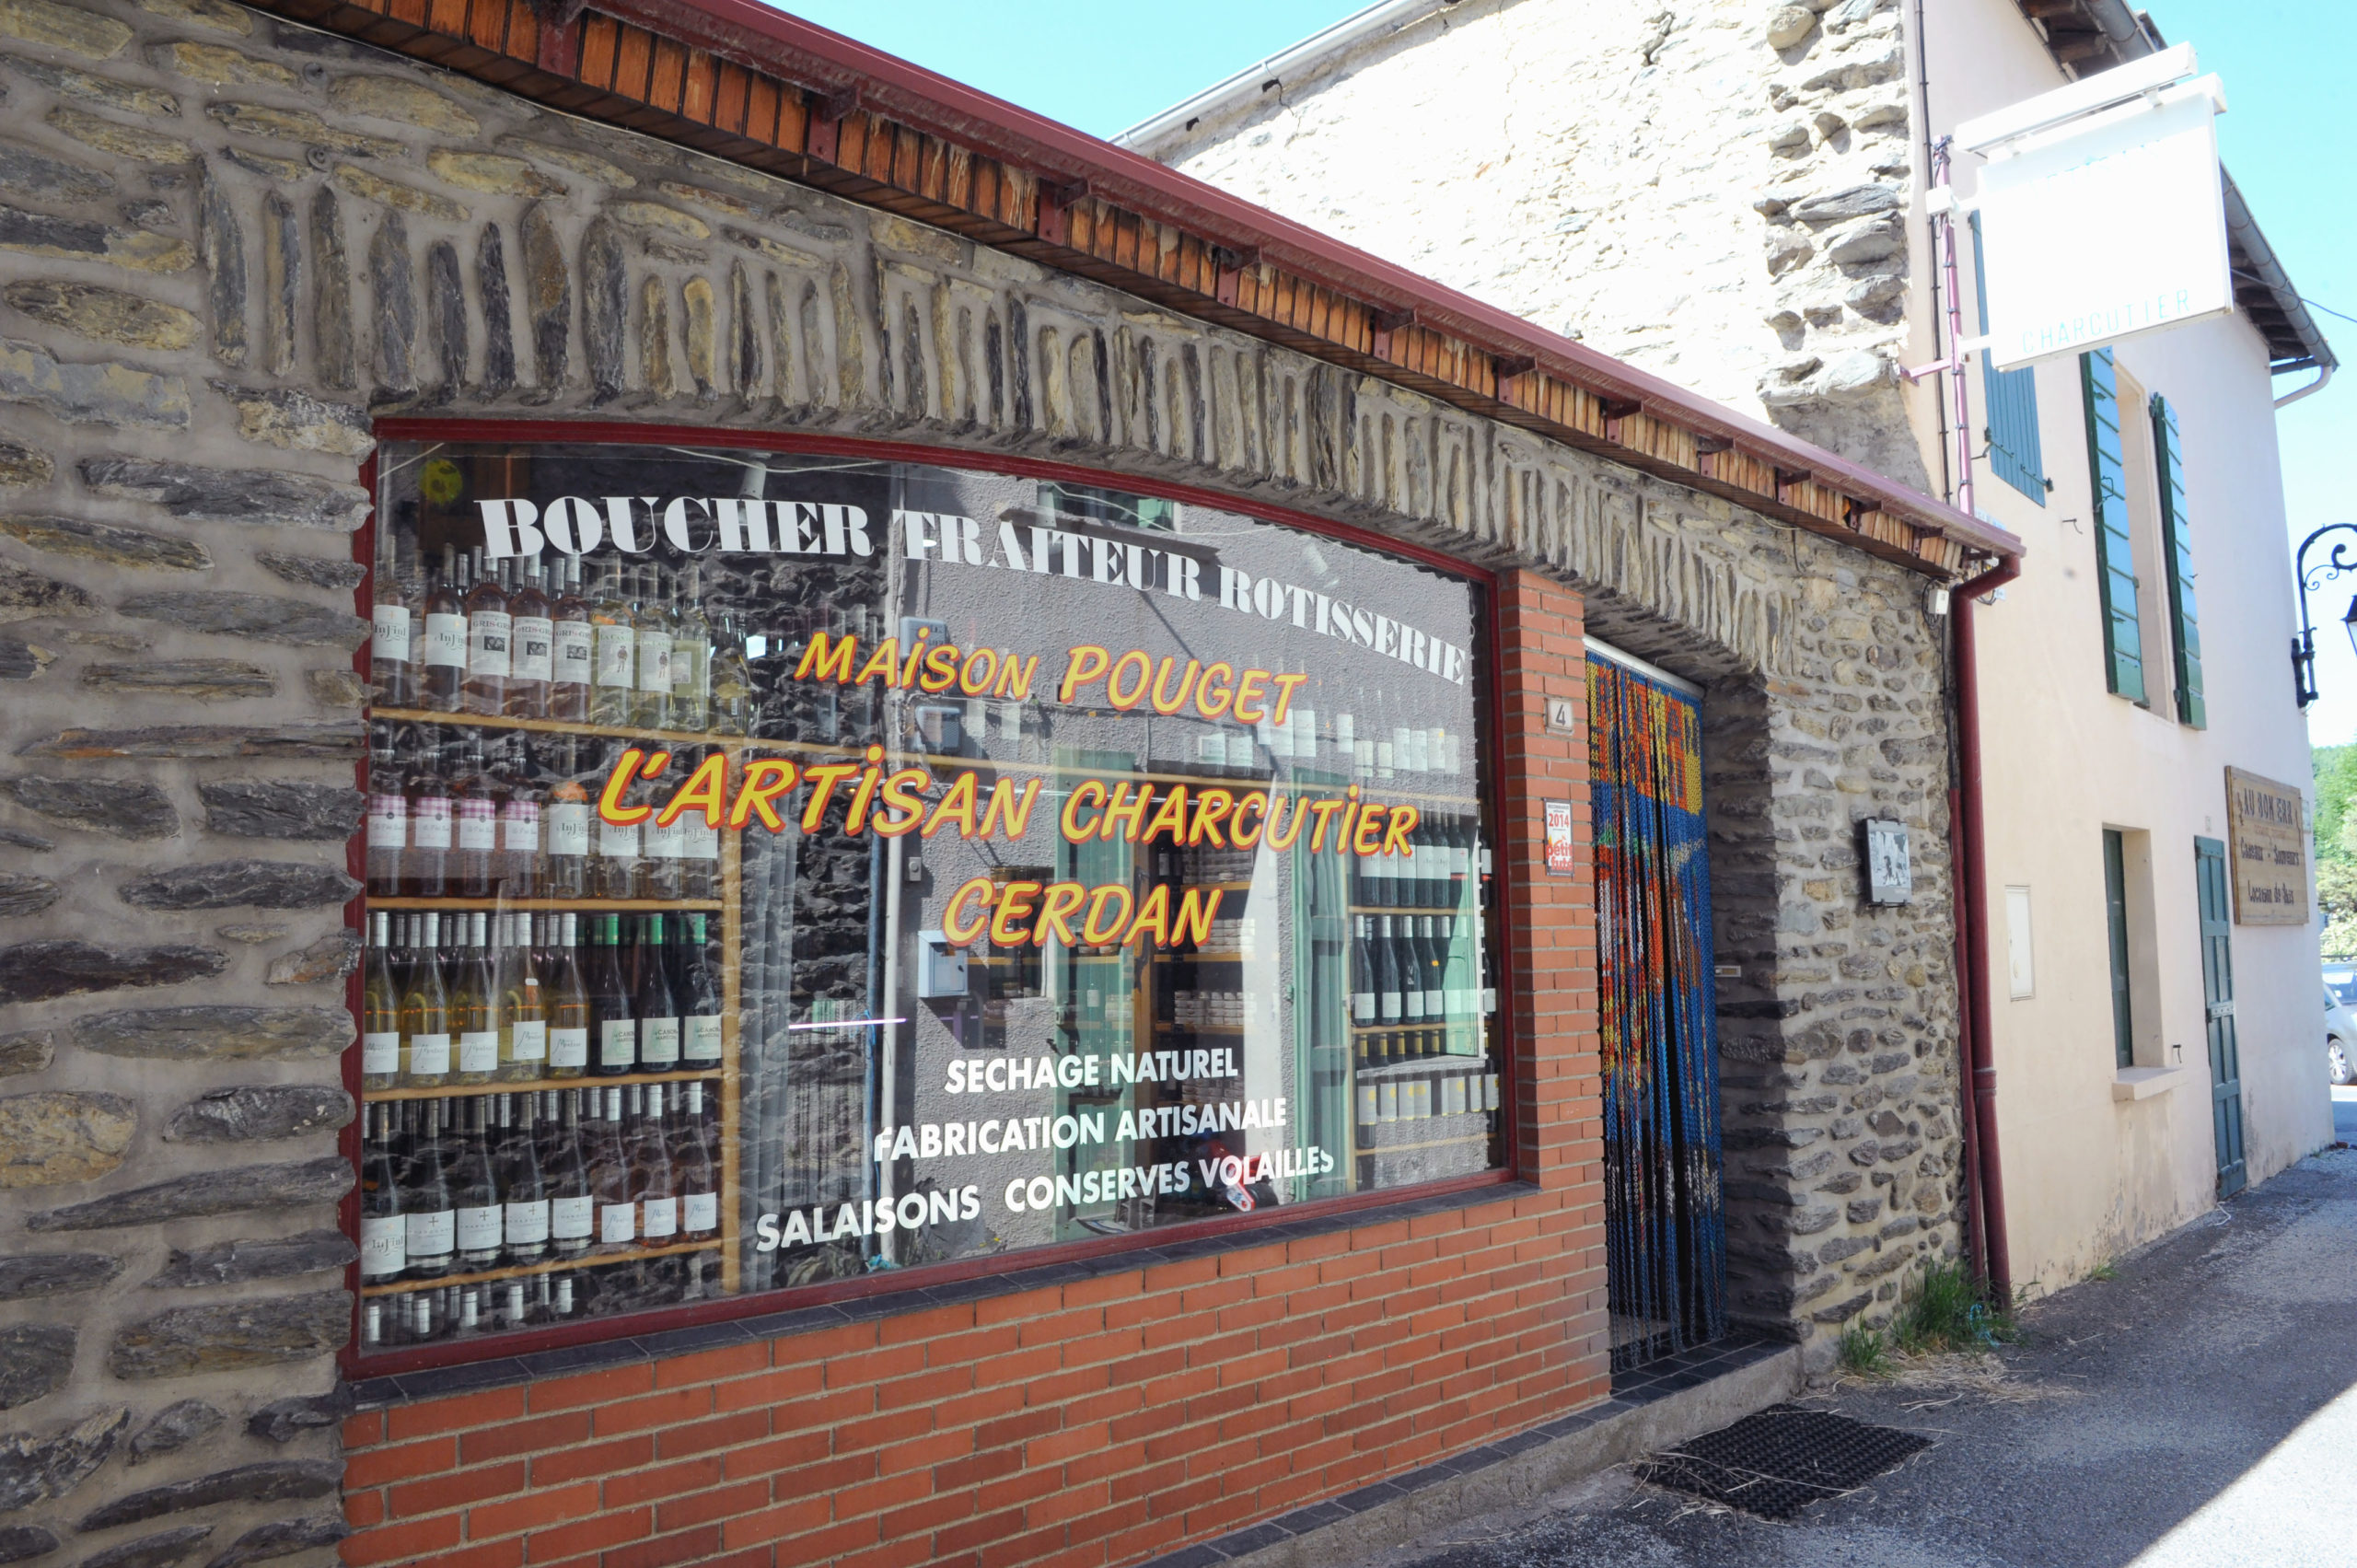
941, 969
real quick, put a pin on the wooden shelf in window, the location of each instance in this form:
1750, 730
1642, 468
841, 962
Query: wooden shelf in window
586, 1081
587, 1261
496, 906
1406, 908
1199, 1029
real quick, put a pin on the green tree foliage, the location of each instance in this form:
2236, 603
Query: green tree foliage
2336, 846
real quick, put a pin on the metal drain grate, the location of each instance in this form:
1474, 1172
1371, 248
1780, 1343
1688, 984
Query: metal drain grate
1778, 1462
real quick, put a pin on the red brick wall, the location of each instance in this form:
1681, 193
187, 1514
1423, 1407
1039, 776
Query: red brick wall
1102, 1421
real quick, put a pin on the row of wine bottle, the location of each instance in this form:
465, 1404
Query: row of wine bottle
453, 813
1417, 971
472, 1184
522, 640
477, 998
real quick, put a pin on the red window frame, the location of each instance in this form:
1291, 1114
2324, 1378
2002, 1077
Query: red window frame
1489, 744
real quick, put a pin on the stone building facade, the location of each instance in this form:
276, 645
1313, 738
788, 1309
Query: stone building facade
232, 242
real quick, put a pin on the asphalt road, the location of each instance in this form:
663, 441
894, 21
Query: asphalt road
2198, 1411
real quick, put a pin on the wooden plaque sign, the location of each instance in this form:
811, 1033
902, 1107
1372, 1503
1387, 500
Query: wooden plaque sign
2266, 838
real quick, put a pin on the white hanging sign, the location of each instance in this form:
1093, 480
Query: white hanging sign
2105, 228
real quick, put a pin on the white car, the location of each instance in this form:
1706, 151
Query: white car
2339, 1039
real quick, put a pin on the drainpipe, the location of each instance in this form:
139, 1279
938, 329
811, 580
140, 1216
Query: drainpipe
1984, 1171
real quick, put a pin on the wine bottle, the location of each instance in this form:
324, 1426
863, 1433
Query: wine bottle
665, 846
426, 1012
609, 1179
387, 813
1363, 972
490, 635
429, 1214
617, 869
653, 1182
572, 646
523, 1195
474, 1016
654, 1006
517, 870
1390, 1003
568, 1006
566, 1170
617, 653
650, 632
692, 1156
690, 654
445, 665
523, 1014
475, 802
698, 993
700, 855
610, 1001
380, 1010
384, 1250
532, 631
732, 682
568, 827
481, 1221
1435, 976
425, 865
391, 675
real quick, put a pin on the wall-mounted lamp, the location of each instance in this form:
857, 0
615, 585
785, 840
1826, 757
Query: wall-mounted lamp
2336, 562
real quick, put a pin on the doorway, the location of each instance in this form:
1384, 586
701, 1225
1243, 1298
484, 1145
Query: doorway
1664, 1207
2218, 1012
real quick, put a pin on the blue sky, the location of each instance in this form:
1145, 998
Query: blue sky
2288, 137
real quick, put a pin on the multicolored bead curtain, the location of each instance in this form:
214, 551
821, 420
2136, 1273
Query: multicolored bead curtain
1664, 1212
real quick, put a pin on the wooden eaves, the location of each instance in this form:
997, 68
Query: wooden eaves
740, 81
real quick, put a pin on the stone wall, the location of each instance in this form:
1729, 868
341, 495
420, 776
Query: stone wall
1717, 192
230, 243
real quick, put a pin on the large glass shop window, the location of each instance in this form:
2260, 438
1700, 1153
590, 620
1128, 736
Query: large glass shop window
782, 868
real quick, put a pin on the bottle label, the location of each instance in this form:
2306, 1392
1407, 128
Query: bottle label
1413, 1001
529, 1038
383, 1245
618, 843
618, 1222
429, 823
1363, 1006
381, 1052
478, 826
1390, 1004
528, 1224
446, 640
480, 1230
703, 839
390, 628
655, 662
617, 1043
687, 664
429, 1055
531, 638
614, 658
666, 844
488, 632
569, 1218
700, 1212
432, 1235
569, 1048
700, 1039
387, 822
478, 1051
658, 1219
519, 827
569, 829
658, 1044
570, 660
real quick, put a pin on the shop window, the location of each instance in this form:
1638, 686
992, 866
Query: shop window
785, 868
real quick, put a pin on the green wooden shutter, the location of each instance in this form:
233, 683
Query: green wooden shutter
2177, 544
2011, 397
2123, 643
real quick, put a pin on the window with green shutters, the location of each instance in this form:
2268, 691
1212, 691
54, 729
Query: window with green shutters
2011, 397
2123, 644
2177, 546
2115, 904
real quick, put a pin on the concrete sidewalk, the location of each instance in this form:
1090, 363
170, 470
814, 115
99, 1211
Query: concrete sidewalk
2200, 1408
